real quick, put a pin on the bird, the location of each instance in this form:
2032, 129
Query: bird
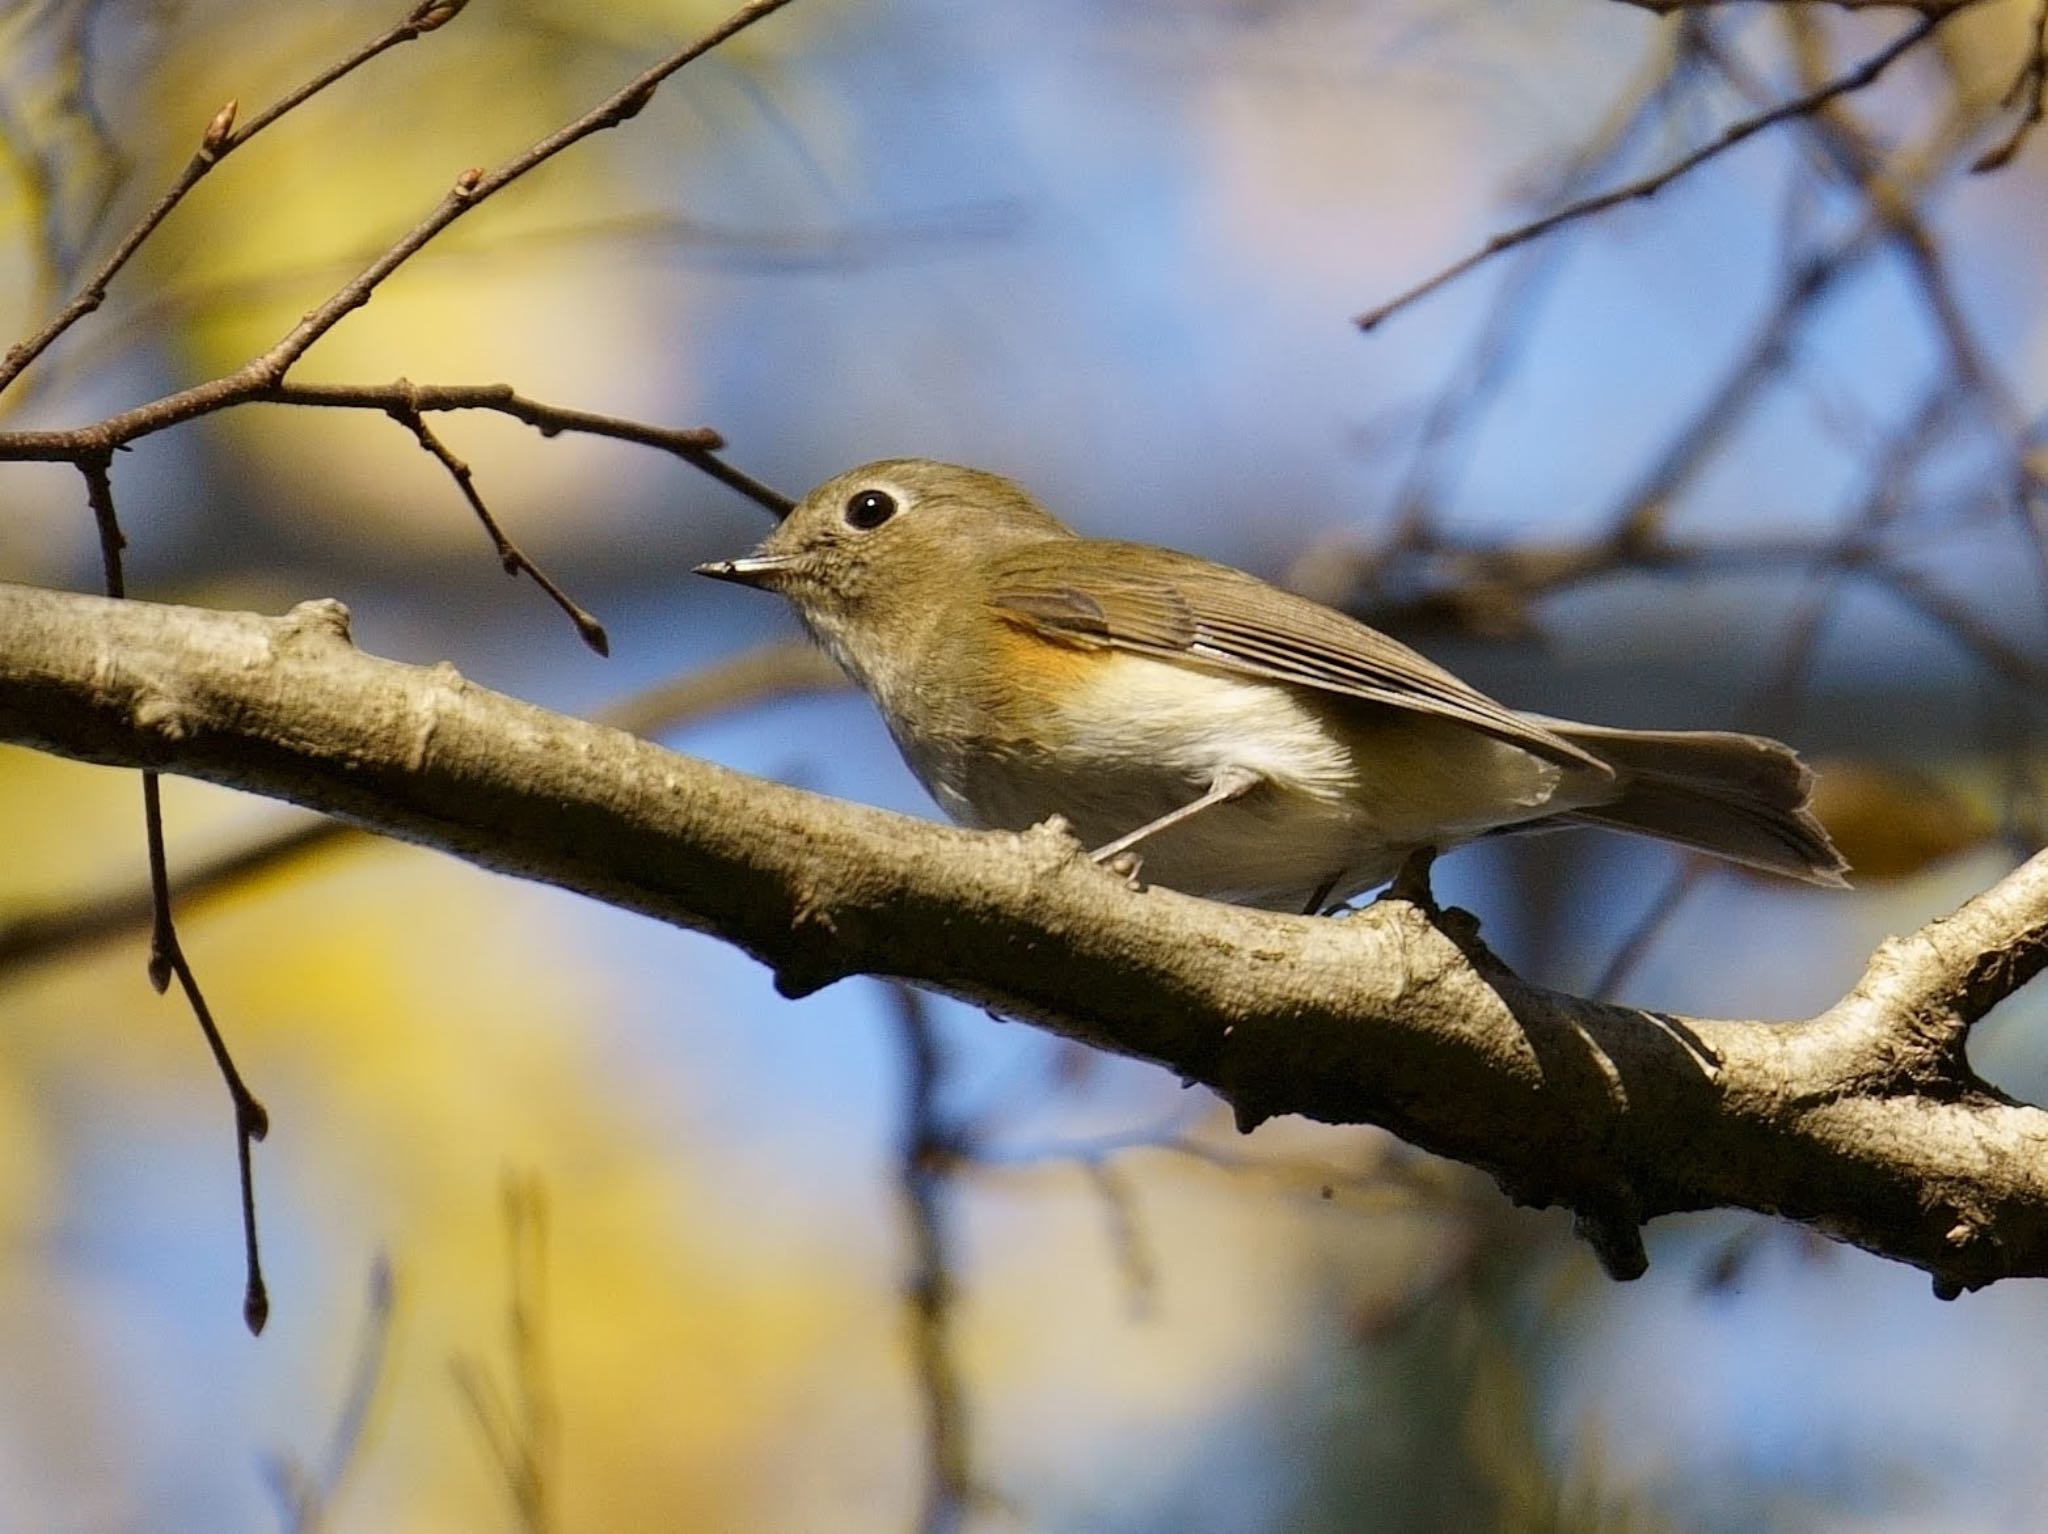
1204, 730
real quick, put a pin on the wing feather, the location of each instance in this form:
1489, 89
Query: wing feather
1093, 593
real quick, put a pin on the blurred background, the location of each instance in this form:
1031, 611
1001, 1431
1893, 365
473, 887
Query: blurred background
571, 1223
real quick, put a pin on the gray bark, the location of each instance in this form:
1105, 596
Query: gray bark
1864, 1122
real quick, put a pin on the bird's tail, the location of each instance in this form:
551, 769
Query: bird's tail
1740, 797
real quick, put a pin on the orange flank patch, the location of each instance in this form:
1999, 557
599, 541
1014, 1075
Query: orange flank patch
1040, 673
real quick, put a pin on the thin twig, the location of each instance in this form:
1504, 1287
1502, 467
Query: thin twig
1127, 1242
493, 1420
166, 955
1487, 364
1856, 153
216, 143
695, 445
510, 556
928, 1156
526, 1315
1932, 8
1636, 942
1856, 79
476, 185
2029, 86
1960, 623
520, 1434
305, 1500
252, 1122
263, 377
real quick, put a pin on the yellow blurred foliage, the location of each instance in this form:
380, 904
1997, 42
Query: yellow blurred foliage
415, 1028
558, 285
1893, 822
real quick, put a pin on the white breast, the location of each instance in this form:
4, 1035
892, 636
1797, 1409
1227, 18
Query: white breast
1347, 790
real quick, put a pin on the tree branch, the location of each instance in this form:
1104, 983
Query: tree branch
1864, 1122
1924, 7
218, 141
1863, 75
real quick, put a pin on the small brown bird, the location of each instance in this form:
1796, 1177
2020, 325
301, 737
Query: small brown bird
1247, 743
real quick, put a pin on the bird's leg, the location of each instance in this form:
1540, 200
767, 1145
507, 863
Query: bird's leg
1321, 895
1231, 783
1412, 882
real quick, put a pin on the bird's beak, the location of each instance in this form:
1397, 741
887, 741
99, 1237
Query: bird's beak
755, 570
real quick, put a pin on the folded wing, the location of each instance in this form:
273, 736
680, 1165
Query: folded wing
1089, 593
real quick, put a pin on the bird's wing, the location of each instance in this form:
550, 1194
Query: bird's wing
1090, 593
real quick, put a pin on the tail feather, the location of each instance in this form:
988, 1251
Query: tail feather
1740, 797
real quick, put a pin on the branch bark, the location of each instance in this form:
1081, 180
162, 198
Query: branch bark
1865, 1121
1924, 7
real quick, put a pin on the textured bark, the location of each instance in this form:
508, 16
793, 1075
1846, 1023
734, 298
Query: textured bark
1865, 1122
1924, 7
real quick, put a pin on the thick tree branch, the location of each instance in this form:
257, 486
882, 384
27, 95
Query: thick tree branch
1865, 1122
1924, 7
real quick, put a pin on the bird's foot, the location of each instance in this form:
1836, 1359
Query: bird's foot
1412, 883
1126, 865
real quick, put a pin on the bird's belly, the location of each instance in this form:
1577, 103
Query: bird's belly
1344, 791
1273, 846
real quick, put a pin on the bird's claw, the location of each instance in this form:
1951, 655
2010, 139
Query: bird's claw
1126, 866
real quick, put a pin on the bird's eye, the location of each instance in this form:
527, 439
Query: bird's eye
870, 509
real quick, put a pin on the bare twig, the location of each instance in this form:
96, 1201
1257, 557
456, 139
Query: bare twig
166, 954
1635, 943
1857, 156
510, 555
475, 186
1127, 1240
2027, 92
218, 141
1929, 8
262, 377
306, 1498
90, 448
1487, 364
1856, 79
1966, 627
252, 1123
927, 1160
695, 445
520, 1432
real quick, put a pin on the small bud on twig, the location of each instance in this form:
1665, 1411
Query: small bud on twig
636, 103
219, 130
465, 184
429, 14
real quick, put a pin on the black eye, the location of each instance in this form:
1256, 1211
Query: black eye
870, 508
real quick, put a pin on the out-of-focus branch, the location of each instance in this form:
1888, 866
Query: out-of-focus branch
520, 1426
2028, 92
1865, 74
262, 379
1865, 1121
220, 139
306, 1491
1931, 8
928, 1157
